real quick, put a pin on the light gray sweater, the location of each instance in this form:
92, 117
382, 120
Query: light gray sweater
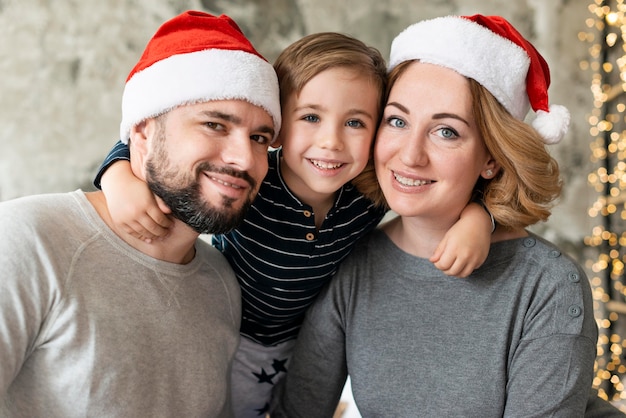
89, 326
516, 339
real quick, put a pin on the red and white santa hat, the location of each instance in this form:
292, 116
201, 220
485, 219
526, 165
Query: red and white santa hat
491, 51
197, 57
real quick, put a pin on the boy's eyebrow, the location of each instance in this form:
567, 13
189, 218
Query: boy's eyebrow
308, 106
354, 111
360, 112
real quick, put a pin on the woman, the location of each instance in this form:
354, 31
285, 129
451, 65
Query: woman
517, 337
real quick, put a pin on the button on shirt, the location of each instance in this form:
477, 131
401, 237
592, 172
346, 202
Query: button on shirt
282, 261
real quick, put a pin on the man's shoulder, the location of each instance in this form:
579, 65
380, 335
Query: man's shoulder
39, 208
49, 218
36, 200
216, 266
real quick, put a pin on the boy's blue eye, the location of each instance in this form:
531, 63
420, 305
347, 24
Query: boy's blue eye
311, 118
355, 123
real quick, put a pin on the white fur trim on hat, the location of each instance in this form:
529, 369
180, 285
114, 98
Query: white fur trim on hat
212, 74
498, 64
552, 125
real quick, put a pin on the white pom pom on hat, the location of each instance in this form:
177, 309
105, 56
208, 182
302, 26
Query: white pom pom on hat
491, 51
197, 57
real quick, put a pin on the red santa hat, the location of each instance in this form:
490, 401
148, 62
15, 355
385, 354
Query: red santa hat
197, 57
491, 51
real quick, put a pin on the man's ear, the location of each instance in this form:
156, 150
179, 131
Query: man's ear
139, 135
278, 142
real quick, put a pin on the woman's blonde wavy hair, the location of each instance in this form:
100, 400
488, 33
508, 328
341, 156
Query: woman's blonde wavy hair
528, 183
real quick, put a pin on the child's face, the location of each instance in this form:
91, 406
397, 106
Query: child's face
327, 133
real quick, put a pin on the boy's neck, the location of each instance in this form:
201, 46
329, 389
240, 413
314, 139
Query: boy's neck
321, 203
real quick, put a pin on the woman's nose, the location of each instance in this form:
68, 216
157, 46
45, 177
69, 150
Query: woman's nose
415, 153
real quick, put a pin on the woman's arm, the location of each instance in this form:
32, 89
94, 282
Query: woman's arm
550, 369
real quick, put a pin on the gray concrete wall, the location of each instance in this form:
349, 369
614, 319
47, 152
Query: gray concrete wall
64, 63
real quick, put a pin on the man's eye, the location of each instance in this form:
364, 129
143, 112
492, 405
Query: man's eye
261, 139
213, 125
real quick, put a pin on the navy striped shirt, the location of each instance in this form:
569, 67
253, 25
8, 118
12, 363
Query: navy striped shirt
282, 261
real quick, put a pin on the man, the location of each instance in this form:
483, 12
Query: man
95, 322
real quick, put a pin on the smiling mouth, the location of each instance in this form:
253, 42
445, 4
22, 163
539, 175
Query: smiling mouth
323, 165
405, 181
225, 183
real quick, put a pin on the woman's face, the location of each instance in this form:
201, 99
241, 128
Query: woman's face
428, 151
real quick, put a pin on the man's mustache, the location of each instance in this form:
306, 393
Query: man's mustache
229, 171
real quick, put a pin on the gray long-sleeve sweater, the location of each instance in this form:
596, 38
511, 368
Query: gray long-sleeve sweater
89, 326
516, 339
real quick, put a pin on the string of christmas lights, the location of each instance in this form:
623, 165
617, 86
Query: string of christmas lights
607, 62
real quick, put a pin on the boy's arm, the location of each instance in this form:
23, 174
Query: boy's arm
131, 203
465, 246
119, 152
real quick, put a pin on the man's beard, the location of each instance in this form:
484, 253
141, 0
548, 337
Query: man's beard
183, 195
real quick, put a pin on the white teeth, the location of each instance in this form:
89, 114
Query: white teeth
405, 181
225, 183
325, 165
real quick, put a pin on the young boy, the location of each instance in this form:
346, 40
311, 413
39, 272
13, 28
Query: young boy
307, 215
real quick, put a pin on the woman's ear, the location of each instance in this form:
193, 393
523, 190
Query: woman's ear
490, 170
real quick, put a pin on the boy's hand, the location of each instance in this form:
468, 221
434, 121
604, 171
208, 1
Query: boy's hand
145, 223
132, 206
465, 246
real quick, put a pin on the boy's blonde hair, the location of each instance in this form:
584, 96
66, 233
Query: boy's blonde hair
309, 56
528, 183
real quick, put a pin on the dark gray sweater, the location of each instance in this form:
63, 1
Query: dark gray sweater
516, 338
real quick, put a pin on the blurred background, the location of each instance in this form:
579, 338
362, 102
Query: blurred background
64, 65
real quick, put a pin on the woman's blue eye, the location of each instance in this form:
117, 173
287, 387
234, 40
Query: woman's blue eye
396, 122
448, 133
311, 118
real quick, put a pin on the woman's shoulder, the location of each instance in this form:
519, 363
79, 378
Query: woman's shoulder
532, 249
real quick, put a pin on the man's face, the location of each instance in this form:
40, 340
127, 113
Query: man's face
206, 162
